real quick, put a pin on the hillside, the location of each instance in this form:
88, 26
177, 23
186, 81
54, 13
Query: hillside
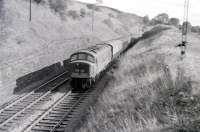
152, 90
57, 29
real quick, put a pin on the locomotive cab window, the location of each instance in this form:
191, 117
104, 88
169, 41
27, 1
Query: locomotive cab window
83, 56
91, 59
74, 57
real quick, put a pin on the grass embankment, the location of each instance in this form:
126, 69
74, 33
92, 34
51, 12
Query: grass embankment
143, 97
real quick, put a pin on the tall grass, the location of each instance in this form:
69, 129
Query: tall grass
143, 97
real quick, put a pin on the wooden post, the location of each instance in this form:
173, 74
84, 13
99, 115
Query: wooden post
30, 11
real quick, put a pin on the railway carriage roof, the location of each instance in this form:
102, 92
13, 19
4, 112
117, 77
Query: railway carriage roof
95, 49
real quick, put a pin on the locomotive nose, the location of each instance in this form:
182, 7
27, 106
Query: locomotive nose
79, 68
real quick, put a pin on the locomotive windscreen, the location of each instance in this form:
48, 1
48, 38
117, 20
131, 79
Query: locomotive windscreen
82, 56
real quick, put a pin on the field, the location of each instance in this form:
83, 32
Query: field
152, 90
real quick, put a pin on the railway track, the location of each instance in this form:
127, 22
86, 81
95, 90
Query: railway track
48, 111
14, 111
62, 115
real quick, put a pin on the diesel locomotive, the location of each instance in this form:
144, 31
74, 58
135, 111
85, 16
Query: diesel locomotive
86, 65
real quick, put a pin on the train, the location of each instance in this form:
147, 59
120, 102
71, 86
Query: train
87, 65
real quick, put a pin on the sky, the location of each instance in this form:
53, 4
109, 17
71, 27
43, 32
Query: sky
175, 8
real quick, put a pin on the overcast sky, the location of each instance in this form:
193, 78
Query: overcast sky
153, 7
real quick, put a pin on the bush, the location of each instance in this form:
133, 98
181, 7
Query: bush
73, 14
58, 5
154, 31
162, 18
82, 12
1, 8
37, 1
109, 23
111, 15
174, 22
93, 7
146, 19
195, 29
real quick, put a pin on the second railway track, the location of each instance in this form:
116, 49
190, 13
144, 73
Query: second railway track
14, 111
51, 111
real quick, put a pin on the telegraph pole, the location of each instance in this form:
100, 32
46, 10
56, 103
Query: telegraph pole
30, 12
93, 17
98, 2
185, 27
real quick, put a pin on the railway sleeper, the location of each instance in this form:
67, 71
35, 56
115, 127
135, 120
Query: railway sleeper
71, 116
5, 115
46, 99
25, 103
45, 125
18, 107
71, 102
5, 127
62, 109
32, 96
75, 97
47, 122
63, 104
11, 112
2, 129
62, 129
19, 116
56, 112
65, 122
41, 129
56, 116
3, 119
51, 119
67, 105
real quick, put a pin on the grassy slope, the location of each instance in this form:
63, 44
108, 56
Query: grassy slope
54, 33
152, 90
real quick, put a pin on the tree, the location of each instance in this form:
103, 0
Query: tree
146, 19
37, 1
1, 8
162, 18
58, 5
195, 29
82, 12
174, 21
